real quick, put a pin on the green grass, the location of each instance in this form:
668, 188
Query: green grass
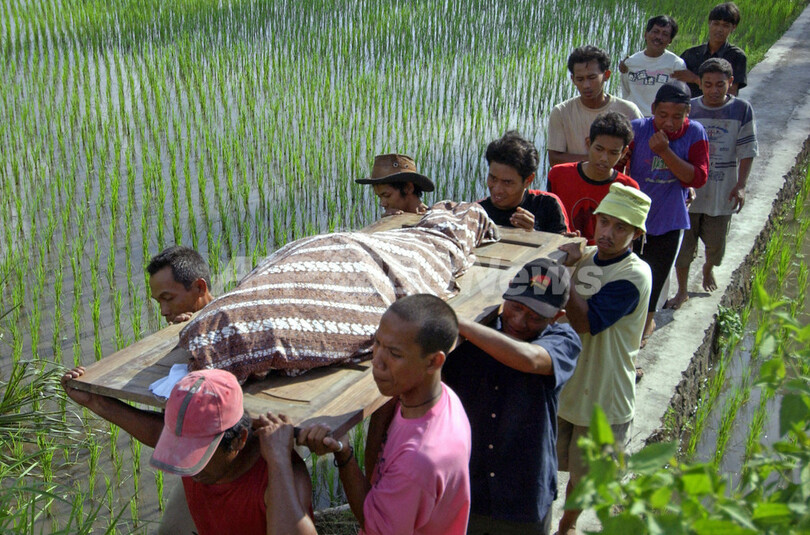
236, 127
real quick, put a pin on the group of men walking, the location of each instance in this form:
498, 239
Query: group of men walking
482, 417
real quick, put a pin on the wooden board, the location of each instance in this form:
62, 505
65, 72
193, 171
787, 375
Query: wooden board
340, 396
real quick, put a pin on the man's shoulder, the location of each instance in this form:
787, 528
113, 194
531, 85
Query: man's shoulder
626, 107
627, 180
695, 129
561, 169
638, 57
540, 202
641, 124
733, 51
559, 330
631, 270
673, 58
538, 197
633, 264
696, 51
566, 105
741, 105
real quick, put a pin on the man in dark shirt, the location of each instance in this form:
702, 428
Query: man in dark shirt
513, 162
509, 379
723, 19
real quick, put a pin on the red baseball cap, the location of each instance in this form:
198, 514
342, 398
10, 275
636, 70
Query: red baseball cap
202, 406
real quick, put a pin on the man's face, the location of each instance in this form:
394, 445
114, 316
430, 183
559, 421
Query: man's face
658, 39
719, 30
715, 86
604, 152
506, 186
521, 322
391, 198
398, 365
613, 236
174, 299
589, 80
219, 466
669, 116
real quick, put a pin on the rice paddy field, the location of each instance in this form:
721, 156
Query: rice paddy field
234, 127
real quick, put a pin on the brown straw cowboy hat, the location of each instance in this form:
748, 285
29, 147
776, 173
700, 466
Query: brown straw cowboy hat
390, 168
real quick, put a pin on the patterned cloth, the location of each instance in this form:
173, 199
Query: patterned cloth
318, 301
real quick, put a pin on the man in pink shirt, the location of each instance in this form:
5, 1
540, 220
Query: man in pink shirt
418, 444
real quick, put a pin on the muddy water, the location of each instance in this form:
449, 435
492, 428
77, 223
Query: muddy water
742, 369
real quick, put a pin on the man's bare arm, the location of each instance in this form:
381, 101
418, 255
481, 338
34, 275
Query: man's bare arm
686, 76
521, 356
576, 310
318, 439
289, 490
737, 195
144, 426
377, 426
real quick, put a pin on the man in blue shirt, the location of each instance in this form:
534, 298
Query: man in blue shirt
509, 379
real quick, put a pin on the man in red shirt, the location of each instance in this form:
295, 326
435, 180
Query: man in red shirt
206, 437
581, 186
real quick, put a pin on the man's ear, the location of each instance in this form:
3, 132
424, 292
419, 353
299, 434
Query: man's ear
558, 315
200, 285
435, 361
528, 180
242, 440
607, 75
408, 188
637, 234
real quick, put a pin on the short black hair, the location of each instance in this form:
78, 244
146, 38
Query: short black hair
515, 151
438, 324
663, 21
614, 124
716, 65
230, 435
587, 54
727, 12
402, 185
186, 263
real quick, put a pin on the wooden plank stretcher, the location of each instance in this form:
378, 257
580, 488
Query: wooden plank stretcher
341, 395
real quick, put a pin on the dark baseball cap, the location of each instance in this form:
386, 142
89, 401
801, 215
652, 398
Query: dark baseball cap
542, 285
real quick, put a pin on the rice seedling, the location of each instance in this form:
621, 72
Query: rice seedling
106, 111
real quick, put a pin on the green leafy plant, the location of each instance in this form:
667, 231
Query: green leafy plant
652, 492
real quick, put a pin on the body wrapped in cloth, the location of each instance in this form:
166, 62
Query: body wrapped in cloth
318, 301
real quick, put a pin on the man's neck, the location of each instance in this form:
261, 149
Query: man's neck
707, 105
714, 47
602, 258
597, 102
651, 55
591, 173
417, 403
244, 461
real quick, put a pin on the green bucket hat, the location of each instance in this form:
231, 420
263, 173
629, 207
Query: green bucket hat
627, 204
